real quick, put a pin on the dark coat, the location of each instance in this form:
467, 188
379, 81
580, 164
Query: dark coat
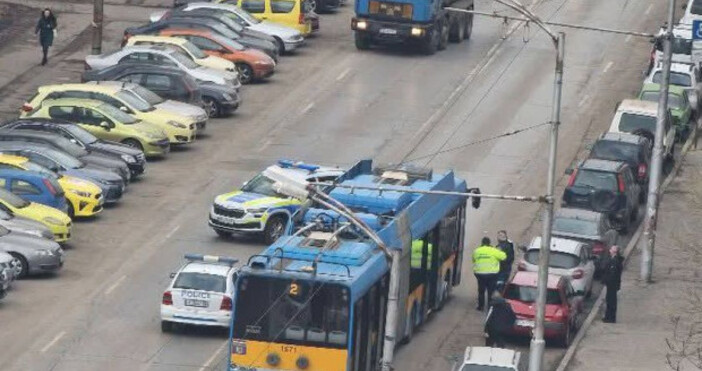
508, 248
612, 272
45, 28
500, 318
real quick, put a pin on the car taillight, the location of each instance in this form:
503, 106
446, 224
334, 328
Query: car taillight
577, 274
301, 19
598, 248
521, 266
620, 182
167, 298
48, 185
571, 180
27, 108
226, 303
643, 169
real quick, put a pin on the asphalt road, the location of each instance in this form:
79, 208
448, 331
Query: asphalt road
327, 104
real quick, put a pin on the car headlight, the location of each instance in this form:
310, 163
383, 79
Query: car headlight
227, 96
259, 210
128, 159
176, 124
80, 193
52, 220
44, 252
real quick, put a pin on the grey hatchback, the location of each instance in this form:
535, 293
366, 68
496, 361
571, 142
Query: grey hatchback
586, 226
36, 255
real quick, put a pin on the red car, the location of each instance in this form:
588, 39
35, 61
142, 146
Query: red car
563, 307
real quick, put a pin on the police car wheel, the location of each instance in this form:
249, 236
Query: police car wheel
274, 229
166, 326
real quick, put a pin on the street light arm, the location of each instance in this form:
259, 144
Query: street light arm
518, 7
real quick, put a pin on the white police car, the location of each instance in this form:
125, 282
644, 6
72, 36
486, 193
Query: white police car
200, 293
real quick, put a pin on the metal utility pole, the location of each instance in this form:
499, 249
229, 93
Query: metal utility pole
97, 26
654, 182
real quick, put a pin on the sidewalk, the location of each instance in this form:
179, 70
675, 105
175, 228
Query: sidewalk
645, 336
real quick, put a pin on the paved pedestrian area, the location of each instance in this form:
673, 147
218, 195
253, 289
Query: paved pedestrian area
660, 325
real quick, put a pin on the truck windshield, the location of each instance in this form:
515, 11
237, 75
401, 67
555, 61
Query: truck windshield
291, 311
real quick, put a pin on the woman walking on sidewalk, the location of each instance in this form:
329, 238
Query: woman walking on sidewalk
46, 28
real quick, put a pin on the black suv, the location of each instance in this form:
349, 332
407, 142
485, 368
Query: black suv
604, 186
635, 150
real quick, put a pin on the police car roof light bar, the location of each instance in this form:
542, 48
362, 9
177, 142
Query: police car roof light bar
211, 258
297, 165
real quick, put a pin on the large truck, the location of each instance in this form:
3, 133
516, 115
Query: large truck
425, 24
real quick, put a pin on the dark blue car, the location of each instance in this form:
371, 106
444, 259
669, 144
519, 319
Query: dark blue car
35, 187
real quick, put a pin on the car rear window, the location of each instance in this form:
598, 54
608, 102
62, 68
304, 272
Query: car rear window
527, 294
200, 281
680, 46
631, 122
556, 259
575, 226
676, 78
596, 179
616, 151
282, 6
674, 100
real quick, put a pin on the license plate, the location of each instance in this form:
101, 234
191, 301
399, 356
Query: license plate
524, 323
196, 303
388, 31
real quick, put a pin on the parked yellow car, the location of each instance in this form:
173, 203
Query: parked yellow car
56, 220
108, 123
291, 13
186, 47
179, 129
84, 197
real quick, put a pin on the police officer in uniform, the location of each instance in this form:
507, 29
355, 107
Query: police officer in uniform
486, 267
612, 278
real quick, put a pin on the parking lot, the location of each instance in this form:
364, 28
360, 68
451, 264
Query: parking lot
326, 103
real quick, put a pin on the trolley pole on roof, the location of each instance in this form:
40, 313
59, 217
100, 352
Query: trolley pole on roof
97, 26
651, 219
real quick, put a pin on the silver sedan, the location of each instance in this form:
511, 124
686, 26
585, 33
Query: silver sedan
35, 255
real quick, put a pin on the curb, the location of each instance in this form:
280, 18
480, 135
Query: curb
597, 307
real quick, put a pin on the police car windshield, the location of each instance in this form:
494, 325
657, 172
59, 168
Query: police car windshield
200, 281
261, 185
557, 259
575, 226
527, 294
485, 368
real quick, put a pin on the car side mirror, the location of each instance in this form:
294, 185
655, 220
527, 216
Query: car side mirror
569, 171
172, 274
124, 109
105, 125
244, 183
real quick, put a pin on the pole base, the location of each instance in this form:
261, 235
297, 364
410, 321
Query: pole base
536, 354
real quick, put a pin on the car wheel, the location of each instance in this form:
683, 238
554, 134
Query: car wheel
24, 266
280, 45
71, 211
222, 233
166, 326
274, 229
211, 106
567, 337
245, 73
133, 143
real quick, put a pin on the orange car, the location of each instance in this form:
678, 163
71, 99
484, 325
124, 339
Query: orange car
251, 64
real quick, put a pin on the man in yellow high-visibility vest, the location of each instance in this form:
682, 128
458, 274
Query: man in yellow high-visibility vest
486, 267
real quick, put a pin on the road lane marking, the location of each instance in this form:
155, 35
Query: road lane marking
582, 101
608, 66
212, 358
309, 107
53, 342
114, 285
627, 39
648, 10
343, 74
174, 230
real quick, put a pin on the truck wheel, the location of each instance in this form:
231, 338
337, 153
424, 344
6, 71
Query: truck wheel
444, 36
458, 30
362, 41
469, 26
431, 43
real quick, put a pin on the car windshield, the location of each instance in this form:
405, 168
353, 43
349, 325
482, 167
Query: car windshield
133, 101
674, 100
81, 134
31, 166
184, 60
229, 42
557, 259
596, 180
527, 294
615, 151
147, 95
14, 200
63, 159
680, 46
485, 368
248, 17
116, 114
200, 281
631, 122
262, 185
230, 23
676, 78
194, 50
575, 226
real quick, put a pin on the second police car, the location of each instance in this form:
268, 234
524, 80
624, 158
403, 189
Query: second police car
258, 208
200, 292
